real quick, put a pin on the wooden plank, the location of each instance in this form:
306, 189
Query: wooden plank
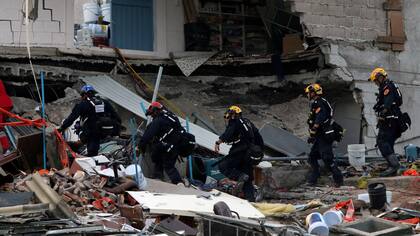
397, 28
397, 47
393, 5
397, 23
391, 39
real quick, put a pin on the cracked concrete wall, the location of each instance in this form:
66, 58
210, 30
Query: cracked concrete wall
52, 28
404, 68
358, 20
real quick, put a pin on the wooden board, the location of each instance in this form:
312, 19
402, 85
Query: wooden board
188, 205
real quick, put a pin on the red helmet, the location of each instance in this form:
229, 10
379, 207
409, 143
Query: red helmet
153, 108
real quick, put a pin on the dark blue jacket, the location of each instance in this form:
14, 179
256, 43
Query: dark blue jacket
86, 111
159, 130
321, 112
389, 98
241, 131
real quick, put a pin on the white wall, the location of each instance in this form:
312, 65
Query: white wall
53, 28
402, 67
169, 27
175, 26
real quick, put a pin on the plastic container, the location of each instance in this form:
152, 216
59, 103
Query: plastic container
377, 195
131, 171
357, 157
90, 12
106, 12
316, 224
333, 217
98, 30
411, 152
365, 197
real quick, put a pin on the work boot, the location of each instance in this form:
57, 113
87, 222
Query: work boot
393, 166
240, 184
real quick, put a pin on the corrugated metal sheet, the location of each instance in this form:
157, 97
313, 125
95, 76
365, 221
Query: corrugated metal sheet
283, 141
109, 88
132, 24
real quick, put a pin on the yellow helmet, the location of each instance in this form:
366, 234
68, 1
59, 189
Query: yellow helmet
316, 88
233, 110
377, 71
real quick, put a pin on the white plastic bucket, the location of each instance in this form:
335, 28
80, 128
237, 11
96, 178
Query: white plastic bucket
316, 224
90, 12
131, 171
357, 157
106, 12
365, 197
333, 217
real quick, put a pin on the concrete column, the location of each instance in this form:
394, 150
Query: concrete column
159, 23
69, 23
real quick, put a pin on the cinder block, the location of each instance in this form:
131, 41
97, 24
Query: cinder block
41, 38
348, 22
301, 7
9, 13
352, 11
359, 23
370, 24
358, 3
316, 8
380, 14
20, 38
58, 38
338, 32
311, 19
327, 20
340, 21
370, 3
6, 37
5, 26
379, 4
335, 10
339, 2
368, 13
51, 26
17, 26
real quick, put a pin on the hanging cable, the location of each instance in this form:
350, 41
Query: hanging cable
28, 47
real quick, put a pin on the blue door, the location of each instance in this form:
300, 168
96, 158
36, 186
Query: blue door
132, 24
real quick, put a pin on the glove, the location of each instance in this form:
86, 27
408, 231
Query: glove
312, 132
311, 140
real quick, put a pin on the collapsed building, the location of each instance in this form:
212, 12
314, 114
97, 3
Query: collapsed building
215, 53
334, 42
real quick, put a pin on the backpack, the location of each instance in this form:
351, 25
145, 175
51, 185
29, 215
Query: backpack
256, 152
187, 144
404, 122
399, 100
104, 124
334, 131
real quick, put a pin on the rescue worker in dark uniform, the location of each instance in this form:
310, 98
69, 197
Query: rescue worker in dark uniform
238, 165
97, 119
164, 133
387, 108
319, 117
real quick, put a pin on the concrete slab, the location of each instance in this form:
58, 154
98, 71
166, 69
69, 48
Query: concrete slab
373, 226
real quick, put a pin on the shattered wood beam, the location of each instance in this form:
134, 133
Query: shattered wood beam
24, 209
391, 39
47, 195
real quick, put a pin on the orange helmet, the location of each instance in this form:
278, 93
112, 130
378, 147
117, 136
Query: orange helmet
154, 108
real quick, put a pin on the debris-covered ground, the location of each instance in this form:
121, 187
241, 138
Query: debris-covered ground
104, 195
